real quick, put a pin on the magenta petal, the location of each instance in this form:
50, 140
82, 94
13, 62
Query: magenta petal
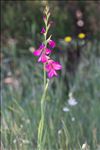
43, 58
57, 66
37, 52
39, 59
48, 67
52, 43
42, 46
50, 61
48, 51
52, 73
55, 73
43, 30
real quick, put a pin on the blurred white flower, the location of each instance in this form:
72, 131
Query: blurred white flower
25, 141
80, 23
85, 146
14, 141
27, 121
66, 109
21, 126
73, 119
32, 49
72, 101
59, 131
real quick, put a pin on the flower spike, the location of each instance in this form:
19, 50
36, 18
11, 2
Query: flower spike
43, 52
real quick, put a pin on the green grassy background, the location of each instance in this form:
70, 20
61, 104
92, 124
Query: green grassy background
20, 99
21, 107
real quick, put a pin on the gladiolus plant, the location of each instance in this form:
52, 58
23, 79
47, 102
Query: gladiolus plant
49, 66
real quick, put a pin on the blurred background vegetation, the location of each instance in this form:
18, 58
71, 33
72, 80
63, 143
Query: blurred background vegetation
21, 23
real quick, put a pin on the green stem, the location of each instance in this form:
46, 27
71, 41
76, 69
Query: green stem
41, 123
44, 75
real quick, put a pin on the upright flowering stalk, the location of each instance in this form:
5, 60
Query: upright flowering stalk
49, 66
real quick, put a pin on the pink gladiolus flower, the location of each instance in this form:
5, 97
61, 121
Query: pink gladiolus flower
43, 30
43, 58
52, 67
52, 43
39, 51
48, 51
42, 52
